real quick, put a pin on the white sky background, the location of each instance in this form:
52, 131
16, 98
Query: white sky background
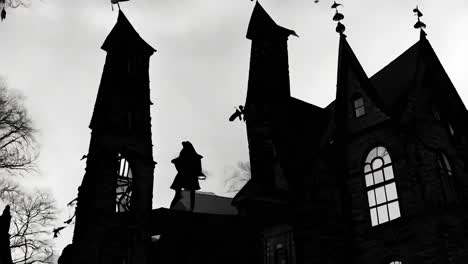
51, 53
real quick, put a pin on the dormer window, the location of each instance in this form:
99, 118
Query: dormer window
359, 107
123, 191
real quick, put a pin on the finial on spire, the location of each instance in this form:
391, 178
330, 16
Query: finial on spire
340, 28
418, 24
116, 2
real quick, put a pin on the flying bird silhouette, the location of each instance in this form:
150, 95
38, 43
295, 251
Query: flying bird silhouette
335, 4
57, 230
316, 1
237, 114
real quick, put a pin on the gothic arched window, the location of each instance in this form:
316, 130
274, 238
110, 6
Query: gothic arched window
380, 186
358, 105
446, 177
123, 191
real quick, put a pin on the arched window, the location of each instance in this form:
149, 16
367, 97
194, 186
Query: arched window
380, 187
359, 107
446, 177
396, 262
123, 191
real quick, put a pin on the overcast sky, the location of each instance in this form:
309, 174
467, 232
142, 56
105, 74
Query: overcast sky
51, 53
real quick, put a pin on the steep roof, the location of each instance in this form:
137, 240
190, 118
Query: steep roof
395, 80
124, 38
262, 26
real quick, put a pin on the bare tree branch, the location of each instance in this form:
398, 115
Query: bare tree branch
18, 148
239, 177
33, 217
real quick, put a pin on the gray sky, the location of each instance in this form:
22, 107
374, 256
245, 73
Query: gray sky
51, 53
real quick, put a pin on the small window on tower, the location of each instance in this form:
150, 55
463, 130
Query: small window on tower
123, 192
396, 262
446, 177
359, 107
450, 127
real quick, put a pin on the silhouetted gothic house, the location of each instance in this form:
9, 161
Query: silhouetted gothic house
378, 176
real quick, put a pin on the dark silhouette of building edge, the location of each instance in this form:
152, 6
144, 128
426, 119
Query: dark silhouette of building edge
5, 219
307, 200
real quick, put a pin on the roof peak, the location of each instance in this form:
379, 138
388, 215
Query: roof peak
262, 26
125, 39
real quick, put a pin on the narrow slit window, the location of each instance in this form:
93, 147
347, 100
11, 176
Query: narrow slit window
451, 130
123, 191
446, 177
359, 107
381, 191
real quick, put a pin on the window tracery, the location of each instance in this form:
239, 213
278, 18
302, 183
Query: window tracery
380, 187
123, 192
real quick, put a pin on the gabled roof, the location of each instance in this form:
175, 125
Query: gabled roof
395, 80
124, 38
262, 26
347, 58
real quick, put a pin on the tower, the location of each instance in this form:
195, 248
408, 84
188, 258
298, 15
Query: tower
115, 197
267, 95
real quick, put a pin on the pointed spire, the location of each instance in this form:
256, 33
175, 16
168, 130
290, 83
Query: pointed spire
262, 26
124, 38
422, 34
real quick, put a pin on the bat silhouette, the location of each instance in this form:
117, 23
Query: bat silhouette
57, 230
237, 114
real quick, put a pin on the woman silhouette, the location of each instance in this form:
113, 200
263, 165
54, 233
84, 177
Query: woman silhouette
189, 170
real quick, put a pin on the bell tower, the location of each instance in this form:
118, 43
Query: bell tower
115, 197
